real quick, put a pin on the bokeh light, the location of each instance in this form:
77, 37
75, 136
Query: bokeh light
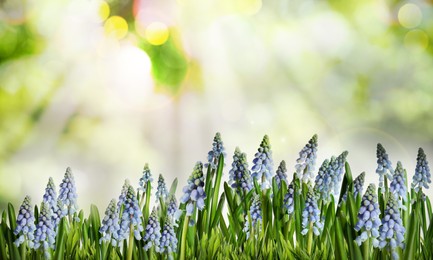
104, 10
116, 27
416, 40
156, 33
409, 15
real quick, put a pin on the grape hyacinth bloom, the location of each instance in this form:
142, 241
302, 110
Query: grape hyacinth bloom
307, 159
214, 154
288, 199
173, 210
392, 229
256, 215
131, 216
421, 179
147, 177
281, 174
262, 164
358, 184
322, 186
58, 213
68, 193
25, 224
194, 190
110, 225
50, 195
384, 165
368, 217
336, 167
168, 243
153, 233
123, 192
311, 215
161, 190
398, 184
45, 236
239, 175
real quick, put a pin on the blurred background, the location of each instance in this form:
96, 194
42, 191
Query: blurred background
106, 86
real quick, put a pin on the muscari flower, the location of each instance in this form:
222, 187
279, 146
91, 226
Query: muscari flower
262, 164
384, 165
307, 159
147, 177
217, 150
168, 243
368, 217
256, 215
45, 236
288, 199
322, 186
25, 224
239, 175
311, 215
68, 193
161, 190
392, 229
124, 191
194, 190
421, 179
110, 224
131, 216
398, 183
173, 210
281, 175
153, 233
58, 213
337, 167
50, 195
358, 184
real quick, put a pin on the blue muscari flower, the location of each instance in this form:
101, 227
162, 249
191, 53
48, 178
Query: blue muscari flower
173, 210
384, 165
421, 179
45, 236
398, 184
50, 195
358, 184
124, 191
307, 159
337, 168
58, 213
392, 229
256, 215
131, 216
68, 193
25, 224
281, 175
168, 243
239, 175
368, 217
217, 150
110, 225
323, 181
153, 233
161, 190
311, 215
194, 190
288, 199
147, 177
262, 164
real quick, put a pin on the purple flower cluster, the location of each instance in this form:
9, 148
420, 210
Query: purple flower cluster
214, 154
307, 159
368, 216
193, 192
262, 164
384, 165
239, 175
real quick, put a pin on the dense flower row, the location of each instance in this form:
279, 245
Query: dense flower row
127, 219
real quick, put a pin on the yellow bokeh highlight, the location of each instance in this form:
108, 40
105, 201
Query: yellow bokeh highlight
416, 39
409, 16
104, 10
116, 26
156, 33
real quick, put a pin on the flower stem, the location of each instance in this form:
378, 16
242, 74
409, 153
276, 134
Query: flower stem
131, 243
366, 249
310, 238
183, 242
23, 249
